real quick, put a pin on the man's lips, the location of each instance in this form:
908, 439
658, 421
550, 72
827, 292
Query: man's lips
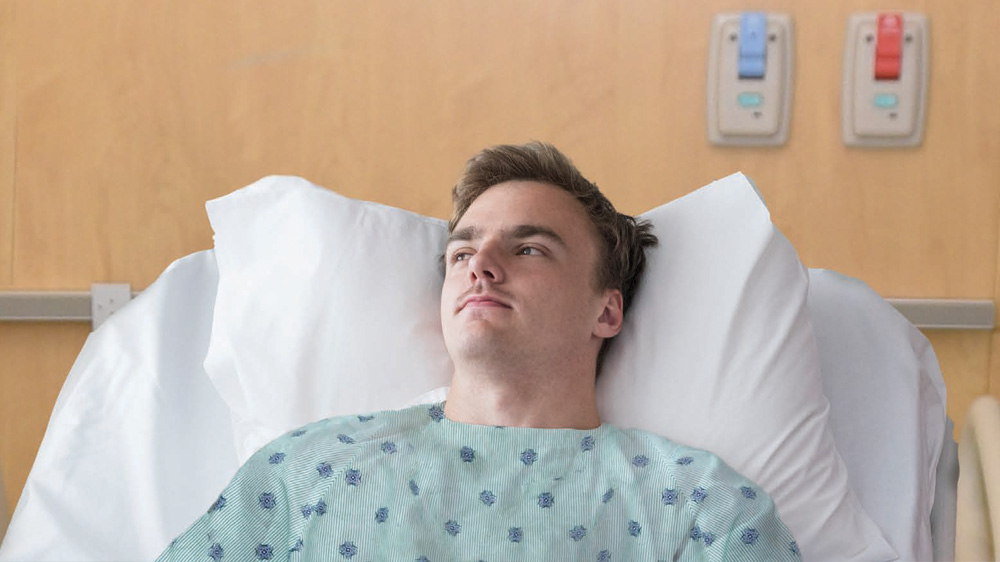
482, 301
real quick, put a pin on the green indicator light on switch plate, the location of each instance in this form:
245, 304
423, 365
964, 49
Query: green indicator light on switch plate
750, 99
886, 101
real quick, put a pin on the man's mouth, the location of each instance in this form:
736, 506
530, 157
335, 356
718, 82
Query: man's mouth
482, 301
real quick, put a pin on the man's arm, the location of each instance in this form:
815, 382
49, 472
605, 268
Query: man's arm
250, 520
760, 535
751, 528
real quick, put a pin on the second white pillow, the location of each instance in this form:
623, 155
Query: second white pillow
718, 352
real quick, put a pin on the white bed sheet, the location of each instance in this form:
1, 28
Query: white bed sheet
870, 353
140, 443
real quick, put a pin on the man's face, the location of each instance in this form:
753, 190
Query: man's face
519, 278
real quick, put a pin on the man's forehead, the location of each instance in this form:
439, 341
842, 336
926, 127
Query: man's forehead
524, 207
522, 201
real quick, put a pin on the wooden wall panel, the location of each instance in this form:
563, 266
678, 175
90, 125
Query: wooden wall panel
8, 84
994, 364
911, 222
120, 147
124, 117
965, 363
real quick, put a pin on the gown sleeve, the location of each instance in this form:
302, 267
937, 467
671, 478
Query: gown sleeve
250, 520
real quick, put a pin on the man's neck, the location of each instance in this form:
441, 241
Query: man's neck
523, 400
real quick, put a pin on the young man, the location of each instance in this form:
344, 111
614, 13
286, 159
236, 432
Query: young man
516, 465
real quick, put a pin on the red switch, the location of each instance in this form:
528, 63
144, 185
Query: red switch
888, 46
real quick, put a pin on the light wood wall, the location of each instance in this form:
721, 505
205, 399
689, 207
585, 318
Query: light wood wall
119, 119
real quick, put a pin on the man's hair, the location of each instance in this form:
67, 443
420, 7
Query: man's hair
622, 240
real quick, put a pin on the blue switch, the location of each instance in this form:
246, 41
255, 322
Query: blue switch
753, 45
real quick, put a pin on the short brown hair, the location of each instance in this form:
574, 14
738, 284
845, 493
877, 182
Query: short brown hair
622, 239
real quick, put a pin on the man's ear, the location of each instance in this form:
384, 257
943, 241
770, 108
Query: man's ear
609, 323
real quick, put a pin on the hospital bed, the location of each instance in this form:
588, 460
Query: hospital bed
148, 428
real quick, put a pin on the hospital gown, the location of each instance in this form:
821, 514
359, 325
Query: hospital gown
413, 485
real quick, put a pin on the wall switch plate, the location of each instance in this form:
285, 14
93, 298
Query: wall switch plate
750, 79
106, 299
884, 97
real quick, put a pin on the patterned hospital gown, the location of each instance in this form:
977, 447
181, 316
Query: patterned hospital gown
412, 485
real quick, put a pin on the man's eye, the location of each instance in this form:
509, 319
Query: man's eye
459, 256
529, 251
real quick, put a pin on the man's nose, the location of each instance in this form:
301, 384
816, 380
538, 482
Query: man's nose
486, 265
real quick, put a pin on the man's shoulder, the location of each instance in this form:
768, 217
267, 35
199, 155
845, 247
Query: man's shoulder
342, 435
665, 448
695, 463
700, 480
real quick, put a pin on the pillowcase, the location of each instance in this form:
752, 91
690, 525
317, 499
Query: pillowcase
329, 306
326, 306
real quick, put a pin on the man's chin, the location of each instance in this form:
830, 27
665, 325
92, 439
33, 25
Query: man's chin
482, 344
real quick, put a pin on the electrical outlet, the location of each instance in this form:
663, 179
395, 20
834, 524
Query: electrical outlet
106, 299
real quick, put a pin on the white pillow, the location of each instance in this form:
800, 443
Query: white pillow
718, 352
328, 306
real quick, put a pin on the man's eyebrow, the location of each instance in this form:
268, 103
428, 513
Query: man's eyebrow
463, 235
529, 230
520, 231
